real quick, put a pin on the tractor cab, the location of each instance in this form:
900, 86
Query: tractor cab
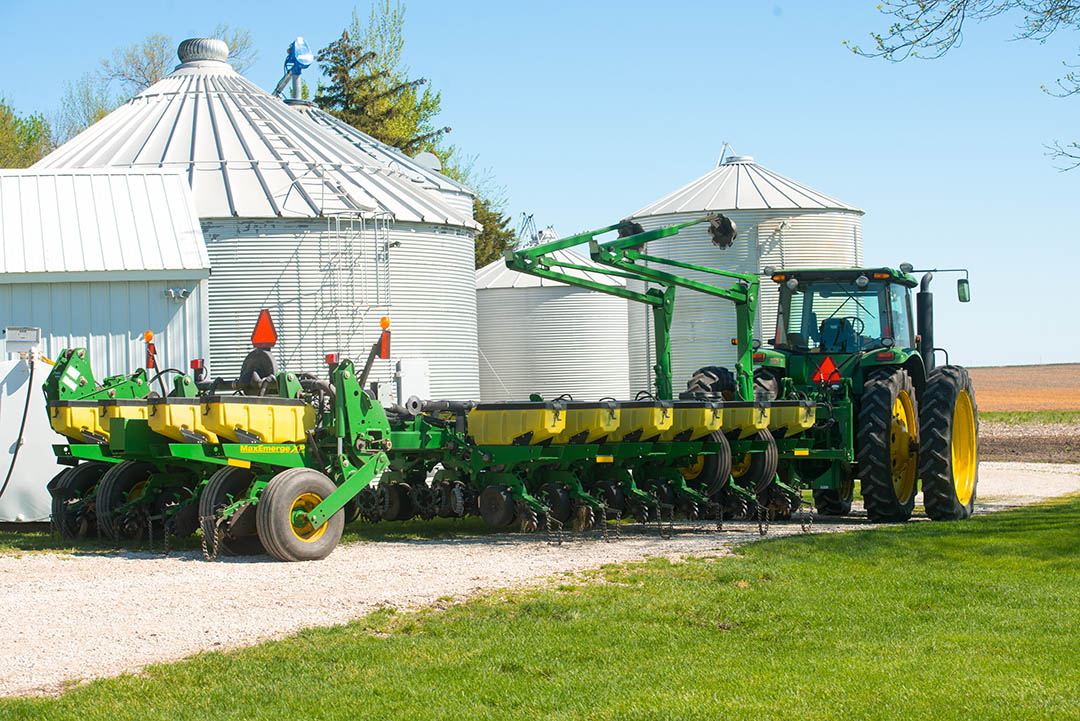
843, 311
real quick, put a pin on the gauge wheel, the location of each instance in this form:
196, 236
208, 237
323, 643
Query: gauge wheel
74, 502
124, 483
227, 485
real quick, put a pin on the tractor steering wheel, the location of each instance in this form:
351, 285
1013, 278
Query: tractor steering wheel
856, 324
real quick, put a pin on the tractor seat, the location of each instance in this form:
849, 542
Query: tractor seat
837, 336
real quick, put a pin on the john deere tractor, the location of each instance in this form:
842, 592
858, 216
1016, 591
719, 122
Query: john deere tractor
847, 340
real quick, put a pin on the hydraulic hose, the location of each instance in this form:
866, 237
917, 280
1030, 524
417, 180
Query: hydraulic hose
22, 426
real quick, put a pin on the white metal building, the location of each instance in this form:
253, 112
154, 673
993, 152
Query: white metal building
93, 258
781, 223
96, 257
542, 336
300, 221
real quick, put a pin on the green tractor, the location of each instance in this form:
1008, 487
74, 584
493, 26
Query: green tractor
887, 415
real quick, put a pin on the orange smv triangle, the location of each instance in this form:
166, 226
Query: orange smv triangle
827, 372
265, 335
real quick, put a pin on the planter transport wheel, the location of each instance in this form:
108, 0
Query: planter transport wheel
282, 521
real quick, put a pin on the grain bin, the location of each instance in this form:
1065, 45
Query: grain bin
298, 221
542, 336
781, 223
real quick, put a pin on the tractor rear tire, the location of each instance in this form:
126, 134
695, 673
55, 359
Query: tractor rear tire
710, 472
712, 380
885, 446
225, 486
116, 488
755, 471
293, 490
70, 486
948, 454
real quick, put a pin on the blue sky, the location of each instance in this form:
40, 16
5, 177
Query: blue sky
587, 111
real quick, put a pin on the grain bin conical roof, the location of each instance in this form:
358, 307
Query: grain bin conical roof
497, 275
245, 152
738, 183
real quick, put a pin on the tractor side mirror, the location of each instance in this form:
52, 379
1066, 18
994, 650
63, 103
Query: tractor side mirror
963, 290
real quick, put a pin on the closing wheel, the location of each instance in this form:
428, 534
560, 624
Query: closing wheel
73, 499
886, 442
948, 453
710, 472
123, 483
557, 499
755, 471
612, 495
497, 506
227, 485
282, 522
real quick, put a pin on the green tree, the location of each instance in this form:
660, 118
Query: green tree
928, 29
369, 87
496, 235
23, 139
84, 102
132, 69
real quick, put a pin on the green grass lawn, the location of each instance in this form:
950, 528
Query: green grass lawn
971, 620
1021, 417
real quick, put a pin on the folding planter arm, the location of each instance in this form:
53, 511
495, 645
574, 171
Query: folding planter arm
622, 256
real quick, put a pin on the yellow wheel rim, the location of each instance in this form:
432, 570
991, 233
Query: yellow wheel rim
739, 469
136, 491
902, 443
305, 502
692, 471
963, 448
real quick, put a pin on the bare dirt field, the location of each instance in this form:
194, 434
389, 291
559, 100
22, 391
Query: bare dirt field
1028, 388
65, 617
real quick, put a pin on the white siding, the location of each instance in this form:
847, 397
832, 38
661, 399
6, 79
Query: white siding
109, 318
551, 341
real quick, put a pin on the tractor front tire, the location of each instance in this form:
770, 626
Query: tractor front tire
886, 444
284, 531
948, 454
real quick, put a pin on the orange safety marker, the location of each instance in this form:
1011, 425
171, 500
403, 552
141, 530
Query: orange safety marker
827, 372
265, 335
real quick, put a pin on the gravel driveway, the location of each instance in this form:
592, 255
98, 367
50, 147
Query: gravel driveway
70, 617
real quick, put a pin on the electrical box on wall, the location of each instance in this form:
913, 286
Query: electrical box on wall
21, 339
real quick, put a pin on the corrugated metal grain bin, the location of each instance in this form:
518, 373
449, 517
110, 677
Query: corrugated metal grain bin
299, 221
541, 336
781, 223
